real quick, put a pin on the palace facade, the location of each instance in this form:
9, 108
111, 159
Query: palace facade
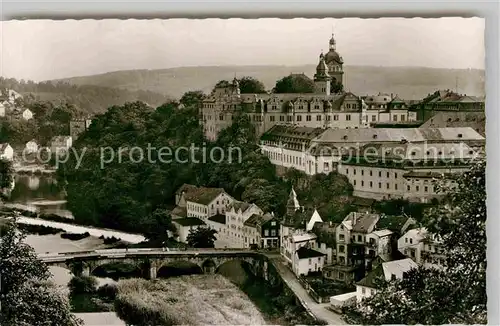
321, 109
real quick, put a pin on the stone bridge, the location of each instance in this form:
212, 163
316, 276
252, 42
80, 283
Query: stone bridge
150, 261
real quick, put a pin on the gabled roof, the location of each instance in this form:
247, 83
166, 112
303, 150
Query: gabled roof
237, 205
253, 220
179, 211
303, 237
203, 195
304, 253
219, 218
372, 277
392, 222
188, 221
185, 188
362, 222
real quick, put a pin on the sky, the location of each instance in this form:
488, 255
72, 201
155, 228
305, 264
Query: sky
49, 49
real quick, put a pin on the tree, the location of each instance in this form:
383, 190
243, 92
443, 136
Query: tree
250, 85
6, 176
202, 237
455, 295
27, 296
82, 284
335, 87
158, 225
192, 99
297, 83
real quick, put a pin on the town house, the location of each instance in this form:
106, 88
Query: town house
206, 202
61, 144
6, 152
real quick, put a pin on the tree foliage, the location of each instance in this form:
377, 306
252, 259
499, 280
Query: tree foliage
192, 99
27, 296
336, 87
202, 237
251, 85
83, 285
296, 83
455, 294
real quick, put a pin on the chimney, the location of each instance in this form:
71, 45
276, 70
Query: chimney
354, 217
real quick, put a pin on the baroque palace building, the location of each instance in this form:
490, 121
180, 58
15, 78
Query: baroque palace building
321, 109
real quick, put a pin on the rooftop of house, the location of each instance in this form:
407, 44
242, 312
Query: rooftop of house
374, 276
303, 237
203, 195
445, 119
188, 221
397, 135
291, 133
185, 188
362, 222
382, 233
394, 223
428, 175
239, 205
179, 211
254, 220
415, 151
219, 218
304, 253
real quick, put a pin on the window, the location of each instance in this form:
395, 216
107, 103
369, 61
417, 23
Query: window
335, 117
395, 175
348, 117
289, 118
403, 117
395, 186
271, 118
362, 183
371, 184
388, 174
374, 118
273, 233
406, 240
363, 290
273, 223
282, 118
393, 277
341, 275
417, 188
354, 171
371, 173
395, 118
310, 261
328, 118
266, 233
308, 117
426, 189
388, 186
411, 240
408, 188
299, 118
341, 248
354, 182
380, 185
326, 166
346, 171
360, 238
318, 118
380, 174
341, 237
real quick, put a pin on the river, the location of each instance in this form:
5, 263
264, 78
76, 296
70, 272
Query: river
42, 194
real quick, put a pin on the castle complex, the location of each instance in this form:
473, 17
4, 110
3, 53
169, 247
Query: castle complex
321, 109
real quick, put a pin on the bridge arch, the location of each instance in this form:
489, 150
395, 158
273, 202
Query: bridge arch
178, 267
116, 270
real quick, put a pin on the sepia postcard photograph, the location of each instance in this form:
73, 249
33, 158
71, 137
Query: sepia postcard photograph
305, 171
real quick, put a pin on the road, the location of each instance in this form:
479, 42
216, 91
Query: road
317, 309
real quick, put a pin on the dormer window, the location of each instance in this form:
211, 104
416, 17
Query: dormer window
375, 136
460, 135
345, 137
413, 153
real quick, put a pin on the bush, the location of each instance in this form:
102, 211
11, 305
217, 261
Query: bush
75, 236
82, 284
108, 291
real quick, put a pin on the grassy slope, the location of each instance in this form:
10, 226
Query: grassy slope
407, 82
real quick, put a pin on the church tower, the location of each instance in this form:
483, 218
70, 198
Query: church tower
292, 205
321, 77
335, 63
